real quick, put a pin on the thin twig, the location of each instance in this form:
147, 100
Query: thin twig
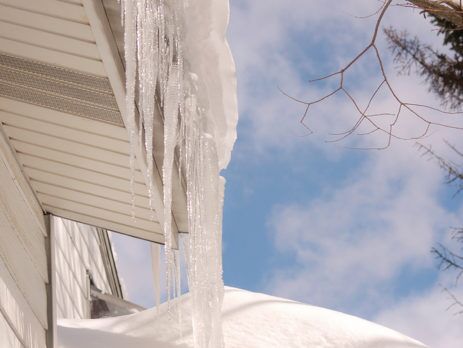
412, 108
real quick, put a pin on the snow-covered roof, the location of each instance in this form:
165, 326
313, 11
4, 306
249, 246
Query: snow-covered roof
250, 320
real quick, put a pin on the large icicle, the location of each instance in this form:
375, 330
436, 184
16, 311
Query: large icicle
170, 51
204, 198
156, 269
130, 36
171, 109
153, 70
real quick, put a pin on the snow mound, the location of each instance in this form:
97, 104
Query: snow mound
250, 320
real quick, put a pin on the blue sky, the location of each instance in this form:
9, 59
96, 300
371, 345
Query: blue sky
316, 221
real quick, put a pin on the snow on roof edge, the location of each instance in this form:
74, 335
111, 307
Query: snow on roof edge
251, 320
209, 56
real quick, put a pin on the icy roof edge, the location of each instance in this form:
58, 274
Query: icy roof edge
209, 57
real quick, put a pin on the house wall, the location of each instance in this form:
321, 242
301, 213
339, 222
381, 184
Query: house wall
23, 264
8, 337
23, 267
77, 252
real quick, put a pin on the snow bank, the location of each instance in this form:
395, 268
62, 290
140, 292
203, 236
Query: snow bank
250, 320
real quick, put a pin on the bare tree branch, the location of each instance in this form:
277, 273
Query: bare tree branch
455, 302
364, 116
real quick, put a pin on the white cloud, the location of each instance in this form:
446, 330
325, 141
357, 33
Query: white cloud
427, 318
353, 248
360, 235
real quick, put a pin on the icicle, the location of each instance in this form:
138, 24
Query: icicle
129, 20
204, 199
155, 74
147, 84
156, 269
170, 132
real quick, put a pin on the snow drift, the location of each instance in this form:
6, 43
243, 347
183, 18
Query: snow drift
250, 320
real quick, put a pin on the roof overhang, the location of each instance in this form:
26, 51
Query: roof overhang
62, 116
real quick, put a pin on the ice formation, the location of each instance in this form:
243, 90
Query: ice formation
156, 269
178, 63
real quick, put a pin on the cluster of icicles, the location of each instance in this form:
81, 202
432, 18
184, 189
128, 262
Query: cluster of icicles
158, 80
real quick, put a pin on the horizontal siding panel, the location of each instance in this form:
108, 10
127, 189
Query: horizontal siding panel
73, 288
22, 223
99, 212
79, 174
16, 310
75, 161
45, 55
92, 200
94, 140
154, 235
74, 238
22, 268
70, 302
23, 187
52, 8
59, 118
87, 242
32, 243
56, 144
80, 244
47, 40
68, 265
119, 195
67, 246
8, 338
46, 23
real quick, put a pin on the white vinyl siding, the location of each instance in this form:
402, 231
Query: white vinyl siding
8, 338
23, 271
77, 250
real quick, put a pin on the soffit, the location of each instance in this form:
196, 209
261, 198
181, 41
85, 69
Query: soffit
60, 115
